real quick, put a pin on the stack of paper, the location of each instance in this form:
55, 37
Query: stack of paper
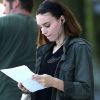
24, 75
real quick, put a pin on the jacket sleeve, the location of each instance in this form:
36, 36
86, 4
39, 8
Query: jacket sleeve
82, 85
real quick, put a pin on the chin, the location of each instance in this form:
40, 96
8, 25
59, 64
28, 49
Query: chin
51, 40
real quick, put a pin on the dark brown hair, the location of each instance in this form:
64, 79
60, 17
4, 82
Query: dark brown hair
71, 26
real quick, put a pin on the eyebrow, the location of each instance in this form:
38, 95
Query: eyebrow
43, 24
46, 23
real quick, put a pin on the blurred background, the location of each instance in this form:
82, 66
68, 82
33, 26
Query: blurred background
88, 14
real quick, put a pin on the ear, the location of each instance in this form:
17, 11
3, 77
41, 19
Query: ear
17, 3
62, 18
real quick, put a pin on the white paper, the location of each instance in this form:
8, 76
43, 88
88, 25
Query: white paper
24, 75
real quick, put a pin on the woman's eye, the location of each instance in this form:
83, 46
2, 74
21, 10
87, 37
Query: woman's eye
48, 25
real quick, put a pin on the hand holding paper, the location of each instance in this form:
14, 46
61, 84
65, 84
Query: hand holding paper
24, 75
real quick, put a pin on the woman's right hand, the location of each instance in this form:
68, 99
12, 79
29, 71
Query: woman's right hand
22, 88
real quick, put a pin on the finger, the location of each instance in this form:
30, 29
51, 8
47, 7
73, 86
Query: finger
25, 90
20, 85
36, 77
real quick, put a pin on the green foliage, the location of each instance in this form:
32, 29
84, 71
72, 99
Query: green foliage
0, 0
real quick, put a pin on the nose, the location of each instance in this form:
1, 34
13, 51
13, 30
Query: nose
44, 30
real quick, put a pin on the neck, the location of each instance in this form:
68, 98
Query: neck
60, 41
20, 11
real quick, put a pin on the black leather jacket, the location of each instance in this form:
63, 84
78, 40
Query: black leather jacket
75, 70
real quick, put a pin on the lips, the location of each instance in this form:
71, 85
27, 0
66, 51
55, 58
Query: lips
48, 36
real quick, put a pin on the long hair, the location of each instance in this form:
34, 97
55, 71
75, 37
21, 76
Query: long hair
72, 27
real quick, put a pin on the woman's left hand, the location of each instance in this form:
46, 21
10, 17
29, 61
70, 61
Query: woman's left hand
22, 88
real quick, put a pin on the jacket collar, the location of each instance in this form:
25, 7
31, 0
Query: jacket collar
69, 41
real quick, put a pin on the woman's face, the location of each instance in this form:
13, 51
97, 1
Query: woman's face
51, 27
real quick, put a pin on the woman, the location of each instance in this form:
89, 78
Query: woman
64, 62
